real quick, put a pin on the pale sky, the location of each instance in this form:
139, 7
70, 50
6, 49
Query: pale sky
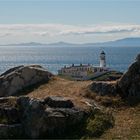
75, 21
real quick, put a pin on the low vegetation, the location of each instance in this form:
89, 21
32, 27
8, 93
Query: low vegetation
98, 123
106, 101
92, 127
124, 124
110, 76
127, 124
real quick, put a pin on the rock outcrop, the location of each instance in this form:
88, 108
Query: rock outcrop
109, 76
104, 88
128, 86
22, 77
36, 118
129, 83
42, 119
58, 102
10, 126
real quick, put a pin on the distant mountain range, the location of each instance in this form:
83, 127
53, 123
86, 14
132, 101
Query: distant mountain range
41, 44
126, 42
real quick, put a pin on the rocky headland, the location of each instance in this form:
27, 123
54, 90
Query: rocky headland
127, 86
25, 114
37, 104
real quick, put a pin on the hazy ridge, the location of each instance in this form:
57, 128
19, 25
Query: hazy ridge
128, 42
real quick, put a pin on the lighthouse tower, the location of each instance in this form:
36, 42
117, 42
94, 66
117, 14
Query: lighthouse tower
102, 59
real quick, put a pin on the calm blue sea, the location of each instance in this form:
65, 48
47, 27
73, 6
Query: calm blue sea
53, 58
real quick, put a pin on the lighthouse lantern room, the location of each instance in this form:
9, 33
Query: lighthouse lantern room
102, 59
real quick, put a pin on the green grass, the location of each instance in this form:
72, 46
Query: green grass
98, 123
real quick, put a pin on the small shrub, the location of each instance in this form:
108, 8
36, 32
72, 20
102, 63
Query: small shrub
97, 123
92, 126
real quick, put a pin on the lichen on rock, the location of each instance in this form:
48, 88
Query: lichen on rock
22, 77
129, 83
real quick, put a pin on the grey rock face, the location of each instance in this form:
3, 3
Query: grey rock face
34, 118
129, 84
103, 88
10, 131
10, 115
58, 102
19, 78
10, 125
40, 120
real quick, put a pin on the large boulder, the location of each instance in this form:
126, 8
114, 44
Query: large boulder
34, 118
10, 125
10, 131
58, 101
128, 86
104, 88
39, 120
22, 77
129, 83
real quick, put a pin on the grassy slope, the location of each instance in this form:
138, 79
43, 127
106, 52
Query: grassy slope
112, 75
64, 88
127, 123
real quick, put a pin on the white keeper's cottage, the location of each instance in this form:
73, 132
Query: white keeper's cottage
85, 72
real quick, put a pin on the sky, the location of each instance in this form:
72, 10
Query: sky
74, 21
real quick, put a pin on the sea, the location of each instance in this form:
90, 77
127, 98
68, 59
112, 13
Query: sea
54, 58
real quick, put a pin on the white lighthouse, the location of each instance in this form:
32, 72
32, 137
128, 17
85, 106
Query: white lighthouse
85, 71
102, 59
